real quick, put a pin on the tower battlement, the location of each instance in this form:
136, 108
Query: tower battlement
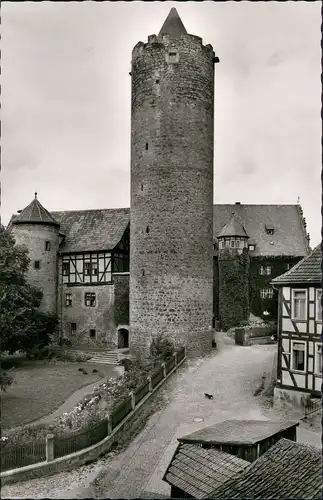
166, 42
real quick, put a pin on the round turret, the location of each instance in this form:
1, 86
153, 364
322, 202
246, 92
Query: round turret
233, 235
35, 228
171, 266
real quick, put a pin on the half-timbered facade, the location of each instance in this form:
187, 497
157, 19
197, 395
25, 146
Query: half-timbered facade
299, 367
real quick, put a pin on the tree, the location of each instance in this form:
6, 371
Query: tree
22, 325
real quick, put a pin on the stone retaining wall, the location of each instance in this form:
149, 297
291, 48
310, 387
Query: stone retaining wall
250, 335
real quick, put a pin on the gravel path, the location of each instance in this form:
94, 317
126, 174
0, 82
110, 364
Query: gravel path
232, 375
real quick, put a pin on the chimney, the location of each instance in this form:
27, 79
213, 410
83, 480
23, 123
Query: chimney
237, 203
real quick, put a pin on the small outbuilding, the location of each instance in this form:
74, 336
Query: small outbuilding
246, 439
194, 472
287, 471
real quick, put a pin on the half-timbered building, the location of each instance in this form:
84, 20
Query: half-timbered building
299, 367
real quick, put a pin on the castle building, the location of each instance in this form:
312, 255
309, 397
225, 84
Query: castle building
172, 234
89, 254
172, 136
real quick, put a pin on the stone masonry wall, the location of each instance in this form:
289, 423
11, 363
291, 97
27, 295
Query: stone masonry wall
121, 298
99, 318
34, 237
171, 265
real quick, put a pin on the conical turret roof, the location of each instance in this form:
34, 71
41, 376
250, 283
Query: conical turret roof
35, 213
173, 25
233, 228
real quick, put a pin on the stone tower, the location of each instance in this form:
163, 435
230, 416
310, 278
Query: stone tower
39, 232
171, 216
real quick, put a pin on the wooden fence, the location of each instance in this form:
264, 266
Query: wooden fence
55, 447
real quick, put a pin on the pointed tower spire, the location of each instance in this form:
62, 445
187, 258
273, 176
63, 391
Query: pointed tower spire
173, 25
35, 213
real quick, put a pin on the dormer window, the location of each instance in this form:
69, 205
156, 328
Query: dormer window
269, 228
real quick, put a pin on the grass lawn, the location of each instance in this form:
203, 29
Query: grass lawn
41, 388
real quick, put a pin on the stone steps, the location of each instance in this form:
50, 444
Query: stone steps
106, 358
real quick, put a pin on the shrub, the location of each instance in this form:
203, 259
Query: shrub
5, 380
162, 348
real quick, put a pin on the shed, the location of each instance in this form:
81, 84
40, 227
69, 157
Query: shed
194, 472
287, 471
247, 439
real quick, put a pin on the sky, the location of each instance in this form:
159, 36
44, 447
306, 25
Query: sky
66, 101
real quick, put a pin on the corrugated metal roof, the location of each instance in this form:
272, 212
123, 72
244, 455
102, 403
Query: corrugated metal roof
288, 470
289, 236
307, 270
238, 432
198, 472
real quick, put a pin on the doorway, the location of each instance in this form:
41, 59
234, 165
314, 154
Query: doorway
123, 338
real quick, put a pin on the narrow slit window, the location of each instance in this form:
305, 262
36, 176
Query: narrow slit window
147, 229
47, 246
92, 333
146, 146
142, 187
73, 327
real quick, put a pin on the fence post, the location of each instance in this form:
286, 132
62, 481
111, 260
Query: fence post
164, 370
150, 386
109, 427
175, 357
49, 447
133, 402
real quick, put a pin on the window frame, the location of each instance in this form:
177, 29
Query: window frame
88, 297
73, 329
318, 305
270, 269
47, 245
38, 264
296, 341
318, 353
67, 266
172, 56
293, 317
68, 299
268, 295
92, 336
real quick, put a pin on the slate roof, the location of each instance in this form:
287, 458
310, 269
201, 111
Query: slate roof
233, 228
173, 25
307, 270
87, 230
288, 470
198, 472
289, 238
97, 228
35, 213
238, 432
